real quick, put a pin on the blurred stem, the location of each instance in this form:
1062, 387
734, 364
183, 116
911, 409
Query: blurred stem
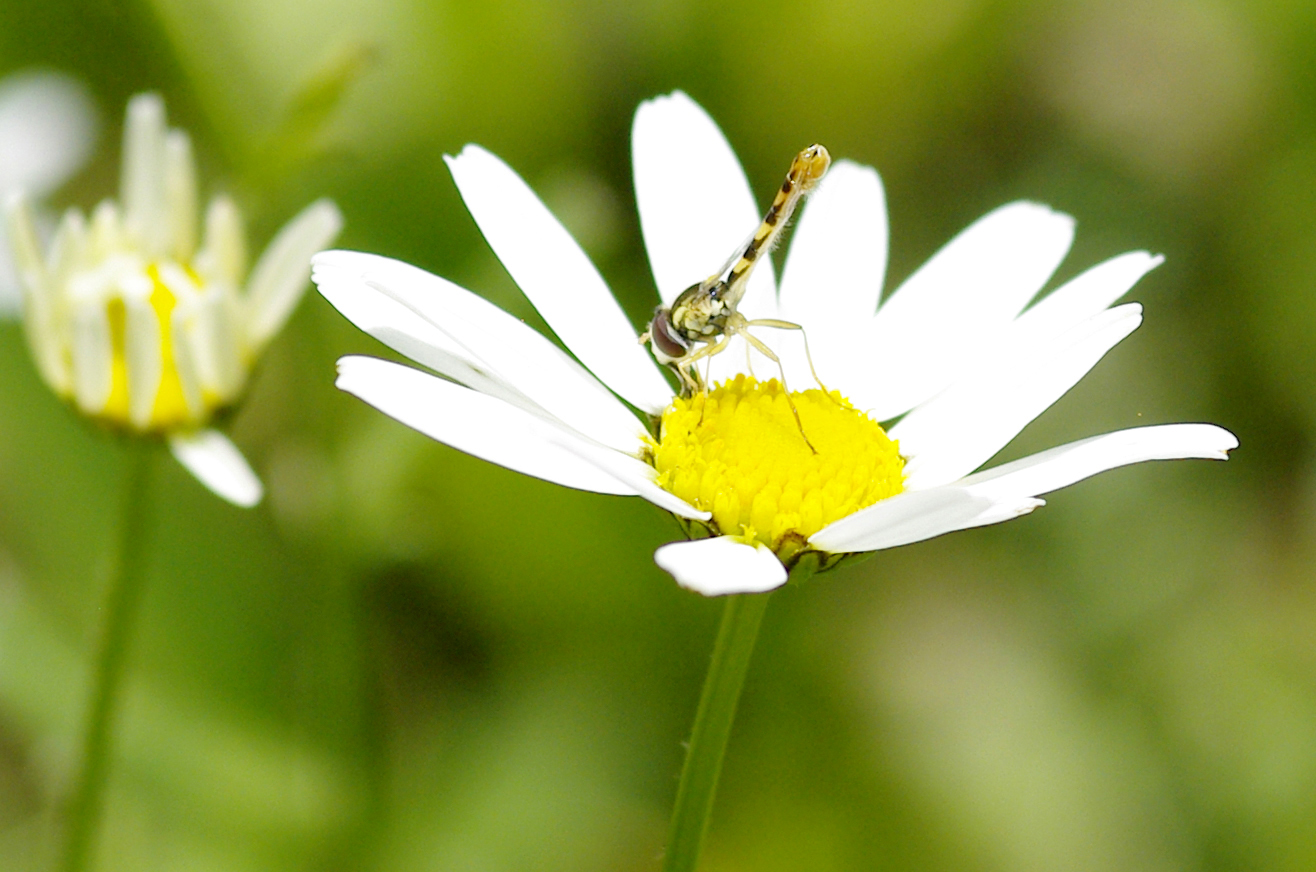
122, 595
708, 740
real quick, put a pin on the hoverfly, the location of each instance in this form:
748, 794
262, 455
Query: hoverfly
703, 318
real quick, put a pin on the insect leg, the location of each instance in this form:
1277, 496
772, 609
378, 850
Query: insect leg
790, 325
686, 365
768, 353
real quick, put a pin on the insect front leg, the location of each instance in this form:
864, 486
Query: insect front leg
691, 383
689, 375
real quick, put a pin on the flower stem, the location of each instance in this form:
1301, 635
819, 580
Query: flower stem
708, 739
122, 594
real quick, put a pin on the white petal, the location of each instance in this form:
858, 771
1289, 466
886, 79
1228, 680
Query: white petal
1045, 345
216, 342
143, 358
400, 311
142, 179
107, 234
47, 124
833, 276
467, 338
22, 238
957, 302
960, 429
223, 254
1083, 296
720, 566
557, 277
1008, 491
68, 248
40, 306
219, 465
11, 293
92, 355
280, 276
1062, 466
185, 365
492, 430
913, 516
629, 470
696, 207
180, 194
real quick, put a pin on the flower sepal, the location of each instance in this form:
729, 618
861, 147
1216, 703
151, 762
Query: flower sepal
807, 563
793, 551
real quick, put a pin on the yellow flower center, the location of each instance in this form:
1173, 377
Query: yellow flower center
170, 406
738, 452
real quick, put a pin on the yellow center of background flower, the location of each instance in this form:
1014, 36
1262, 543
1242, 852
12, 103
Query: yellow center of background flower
170, 408
738, 452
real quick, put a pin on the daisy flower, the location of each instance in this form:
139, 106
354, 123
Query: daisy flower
142, 328
956, 353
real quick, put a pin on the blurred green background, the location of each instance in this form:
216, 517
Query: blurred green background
407, 659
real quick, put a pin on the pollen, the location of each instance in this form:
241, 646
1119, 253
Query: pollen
739, 453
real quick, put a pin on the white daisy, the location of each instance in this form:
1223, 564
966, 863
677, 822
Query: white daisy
956, 350
139, 326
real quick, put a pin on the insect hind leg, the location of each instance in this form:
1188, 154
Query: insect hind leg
761, 348
789, 325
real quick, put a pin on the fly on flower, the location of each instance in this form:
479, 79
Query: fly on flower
707, 313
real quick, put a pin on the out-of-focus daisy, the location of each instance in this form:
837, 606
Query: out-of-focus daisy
956, 353
47, 126
147, 325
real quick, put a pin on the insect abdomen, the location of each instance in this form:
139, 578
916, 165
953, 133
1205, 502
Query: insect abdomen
806, 171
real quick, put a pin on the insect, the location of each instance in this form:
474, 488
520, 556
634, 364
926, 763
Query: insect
703, 318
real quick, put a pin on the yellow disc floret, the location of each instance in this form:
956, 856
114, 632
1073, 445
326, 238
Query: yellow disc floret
739, 453
144, 376
170, 407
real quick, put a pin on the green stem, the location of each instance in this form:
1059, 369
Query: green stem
708, 739
122, 594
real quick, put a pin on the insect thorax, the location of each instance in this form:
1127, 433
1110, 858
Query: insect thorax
700, 313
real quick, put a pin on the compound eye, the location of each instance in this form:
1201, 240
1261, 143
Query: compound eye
667, 342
